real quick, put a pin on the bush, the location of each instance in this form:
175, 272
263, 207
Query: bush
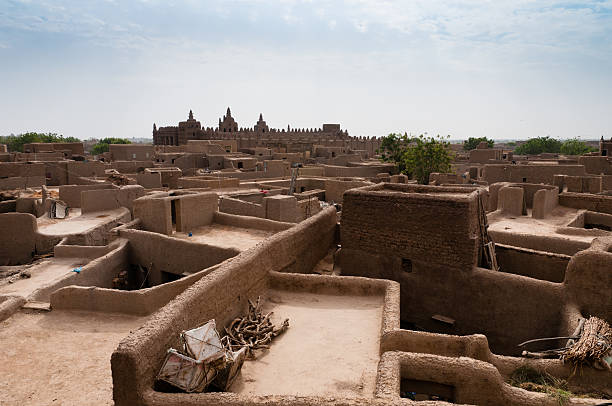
575, 147
15, 142
472, 143
417, 157
102, 145
538, 145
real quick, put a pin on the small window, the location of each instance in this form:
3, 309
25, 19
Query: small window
147, 154
133, 156
524, 180
240, 166
604, 152
406, 265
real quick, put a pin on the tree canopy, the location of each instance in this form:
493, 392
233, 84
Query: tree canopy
15, 142
417, 157
102, 145
471, 143
574, 146
538, 145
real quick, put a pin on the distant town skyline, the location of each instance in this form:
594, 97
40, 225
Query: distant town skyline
504, 70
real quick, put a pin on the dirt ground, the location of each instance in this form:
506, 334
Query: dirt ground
224, 236
60, 357
330, 348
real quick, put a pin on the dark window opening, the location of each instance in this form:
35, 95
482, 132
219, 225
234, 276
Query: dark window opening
169, 277
604, 152
240, 166
333, 154
173, 210
524, 180
303, 189
406, 265
425, 390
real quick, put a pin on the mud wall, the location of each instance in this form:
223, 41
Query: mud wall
195, 210
140, 302
529, 173
110, 199
480, 301
99, 272
18, 238
71, 194
221, 295
241, 208
439, 223
533, 264
555, 243
357, 171
335, 188
250, 222
600, 203
148, 248
207, 181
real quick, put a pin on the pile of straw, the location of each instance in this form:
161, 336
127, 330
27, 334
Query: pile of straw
594, 344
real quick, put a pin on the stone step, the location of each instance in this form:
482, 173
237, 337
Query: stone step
37, 306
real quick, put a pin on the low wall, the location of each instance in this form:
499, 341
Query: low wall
22, 182
99, 272
555, 243
241, 207
109, 199
220, 295
250, 222
534, 264
8, 206
207, 181
148, 248
71, 194
335, 188
18, 238
357, 171
9, 305
140, 302
600, 203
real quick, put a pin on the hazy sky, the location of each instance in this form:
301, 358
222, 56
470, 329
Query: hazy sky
502, 69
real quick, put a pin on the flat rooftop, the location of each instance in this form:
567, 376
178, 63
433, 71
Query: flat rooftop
225, 236
330, 348
42, 274
77, 223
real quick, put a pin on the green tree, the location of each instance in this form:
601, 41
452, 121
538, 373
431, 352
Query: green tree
538, 145
574, 146
102, 145
417, 157
472, 143
426, 155
392, 148
15, 142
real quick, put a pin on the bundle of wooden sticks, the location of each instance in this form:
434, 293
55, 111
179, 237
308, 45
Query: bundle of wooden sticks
253, 331
591, 344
